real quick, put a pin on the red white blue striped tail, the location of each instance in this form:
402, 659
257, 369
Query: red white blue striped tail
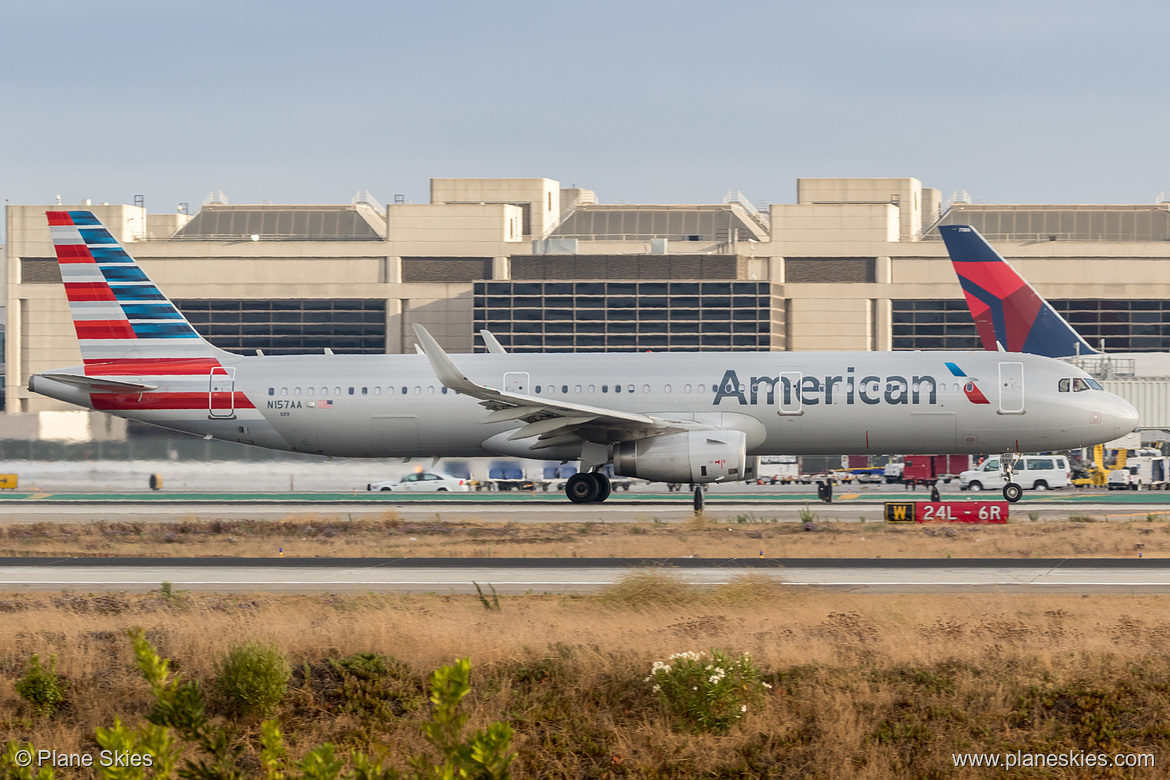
117, 310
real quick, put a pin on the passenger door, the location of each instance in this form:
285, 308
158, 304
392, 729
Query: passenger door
788, 400
221, 394
1011, 388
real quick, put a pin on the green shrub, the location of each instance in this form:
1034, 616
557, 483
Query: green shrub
376, 687
254, 678
42, 688
707, 695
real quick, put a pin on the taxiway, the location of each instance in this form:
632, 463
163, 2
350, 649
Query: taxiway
558, 575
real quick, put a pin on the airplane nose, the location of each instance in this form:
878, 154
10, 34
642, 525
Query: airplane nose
1125, 417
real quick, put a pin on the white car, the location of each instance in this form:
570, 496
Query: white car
423, 482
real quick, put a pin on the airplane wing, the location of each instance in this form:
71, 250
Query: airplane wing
554, 421
99, 384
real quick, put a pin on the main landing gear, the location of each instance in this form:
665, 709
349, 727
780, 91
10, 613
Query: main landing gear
588, 488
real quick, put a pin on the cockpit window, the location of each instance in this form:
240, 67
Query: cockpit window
1093, 383
1079, 385
1064, 384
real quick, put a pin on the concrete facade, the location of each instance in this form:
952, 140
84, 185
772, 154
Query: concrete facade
845, 263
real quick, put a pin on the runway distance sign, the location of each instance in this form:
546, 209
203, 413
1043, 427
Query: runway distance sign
993, 512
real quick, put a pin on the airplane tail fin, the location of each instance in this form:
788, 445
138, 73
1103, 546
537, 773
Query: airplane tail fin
117, 310
1006, 310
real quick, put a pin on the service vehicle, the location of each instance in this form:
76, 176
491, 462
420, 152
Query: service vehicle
1144, 469
929, 470
778, 470
1032, 472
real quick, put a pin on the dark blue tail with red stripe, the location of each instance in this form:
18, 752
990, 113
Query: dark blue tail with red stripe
1008, 313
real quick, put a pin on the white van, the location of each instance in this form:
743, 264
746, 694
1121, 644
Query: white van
1033, 472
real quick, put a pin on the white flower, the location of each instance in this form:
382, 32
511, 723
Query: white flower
769, 687
743, 708
657, 688
713, 679
695, 688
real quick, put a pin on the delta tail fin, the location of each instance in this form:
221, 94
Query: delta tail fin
118, 312
1006, 310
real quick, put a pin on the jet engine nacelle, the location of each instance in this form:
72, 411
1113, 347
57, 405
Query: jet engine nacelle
691, 456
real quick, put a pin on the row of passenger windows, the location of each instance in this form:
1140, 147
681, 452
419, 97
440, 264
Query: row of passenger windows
324, 391
1078, 385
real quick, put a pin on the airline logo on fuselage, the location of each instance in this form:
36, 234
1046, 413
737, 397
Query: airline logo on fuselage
845, 388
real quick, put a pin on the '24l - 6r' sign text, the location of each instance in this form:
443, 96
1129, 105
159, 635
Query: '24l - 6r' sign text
947, 511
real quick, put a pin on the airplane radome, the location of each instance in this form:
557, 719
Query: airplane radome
692, 417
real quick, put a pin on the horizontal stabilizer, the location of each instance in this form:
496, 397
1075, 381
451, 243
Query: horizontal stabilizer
100, 384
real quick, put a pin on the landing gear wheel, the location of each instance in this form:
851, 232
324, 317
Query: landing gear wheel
825, 491
604, 487
934, 496
582, 488
1012, 492
698, 499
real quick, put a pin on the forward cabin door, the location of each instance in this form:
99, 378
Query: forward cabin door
221, 394
1011, 388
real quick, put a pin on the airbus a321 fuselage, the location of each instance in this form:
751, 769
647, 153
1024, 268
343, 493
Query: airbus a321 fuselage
671, 416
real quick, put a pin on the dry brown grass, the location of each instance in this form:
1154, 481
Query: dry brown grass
865, 686
324, 536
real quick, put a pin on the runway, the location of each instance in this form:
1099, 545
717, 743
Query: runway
633, 507
559, 575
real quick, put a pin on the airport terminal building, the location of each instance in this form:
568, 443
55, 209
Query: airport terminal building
853, 264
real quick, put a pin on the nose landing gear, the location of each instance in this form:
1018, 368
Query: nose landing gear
1011, 490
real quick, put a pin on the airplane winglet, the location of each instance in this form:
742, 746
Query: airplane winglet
492, 343
444, 367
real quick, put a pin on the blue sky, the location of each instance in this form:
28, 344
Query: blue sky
643, 102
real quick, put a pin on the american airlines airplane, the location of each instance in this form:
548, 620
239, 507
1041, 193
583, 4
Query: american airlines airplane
671, 416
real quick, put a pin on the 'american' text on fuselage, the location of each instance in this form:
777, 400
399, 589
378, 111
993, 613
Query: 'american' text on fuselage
810, 390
